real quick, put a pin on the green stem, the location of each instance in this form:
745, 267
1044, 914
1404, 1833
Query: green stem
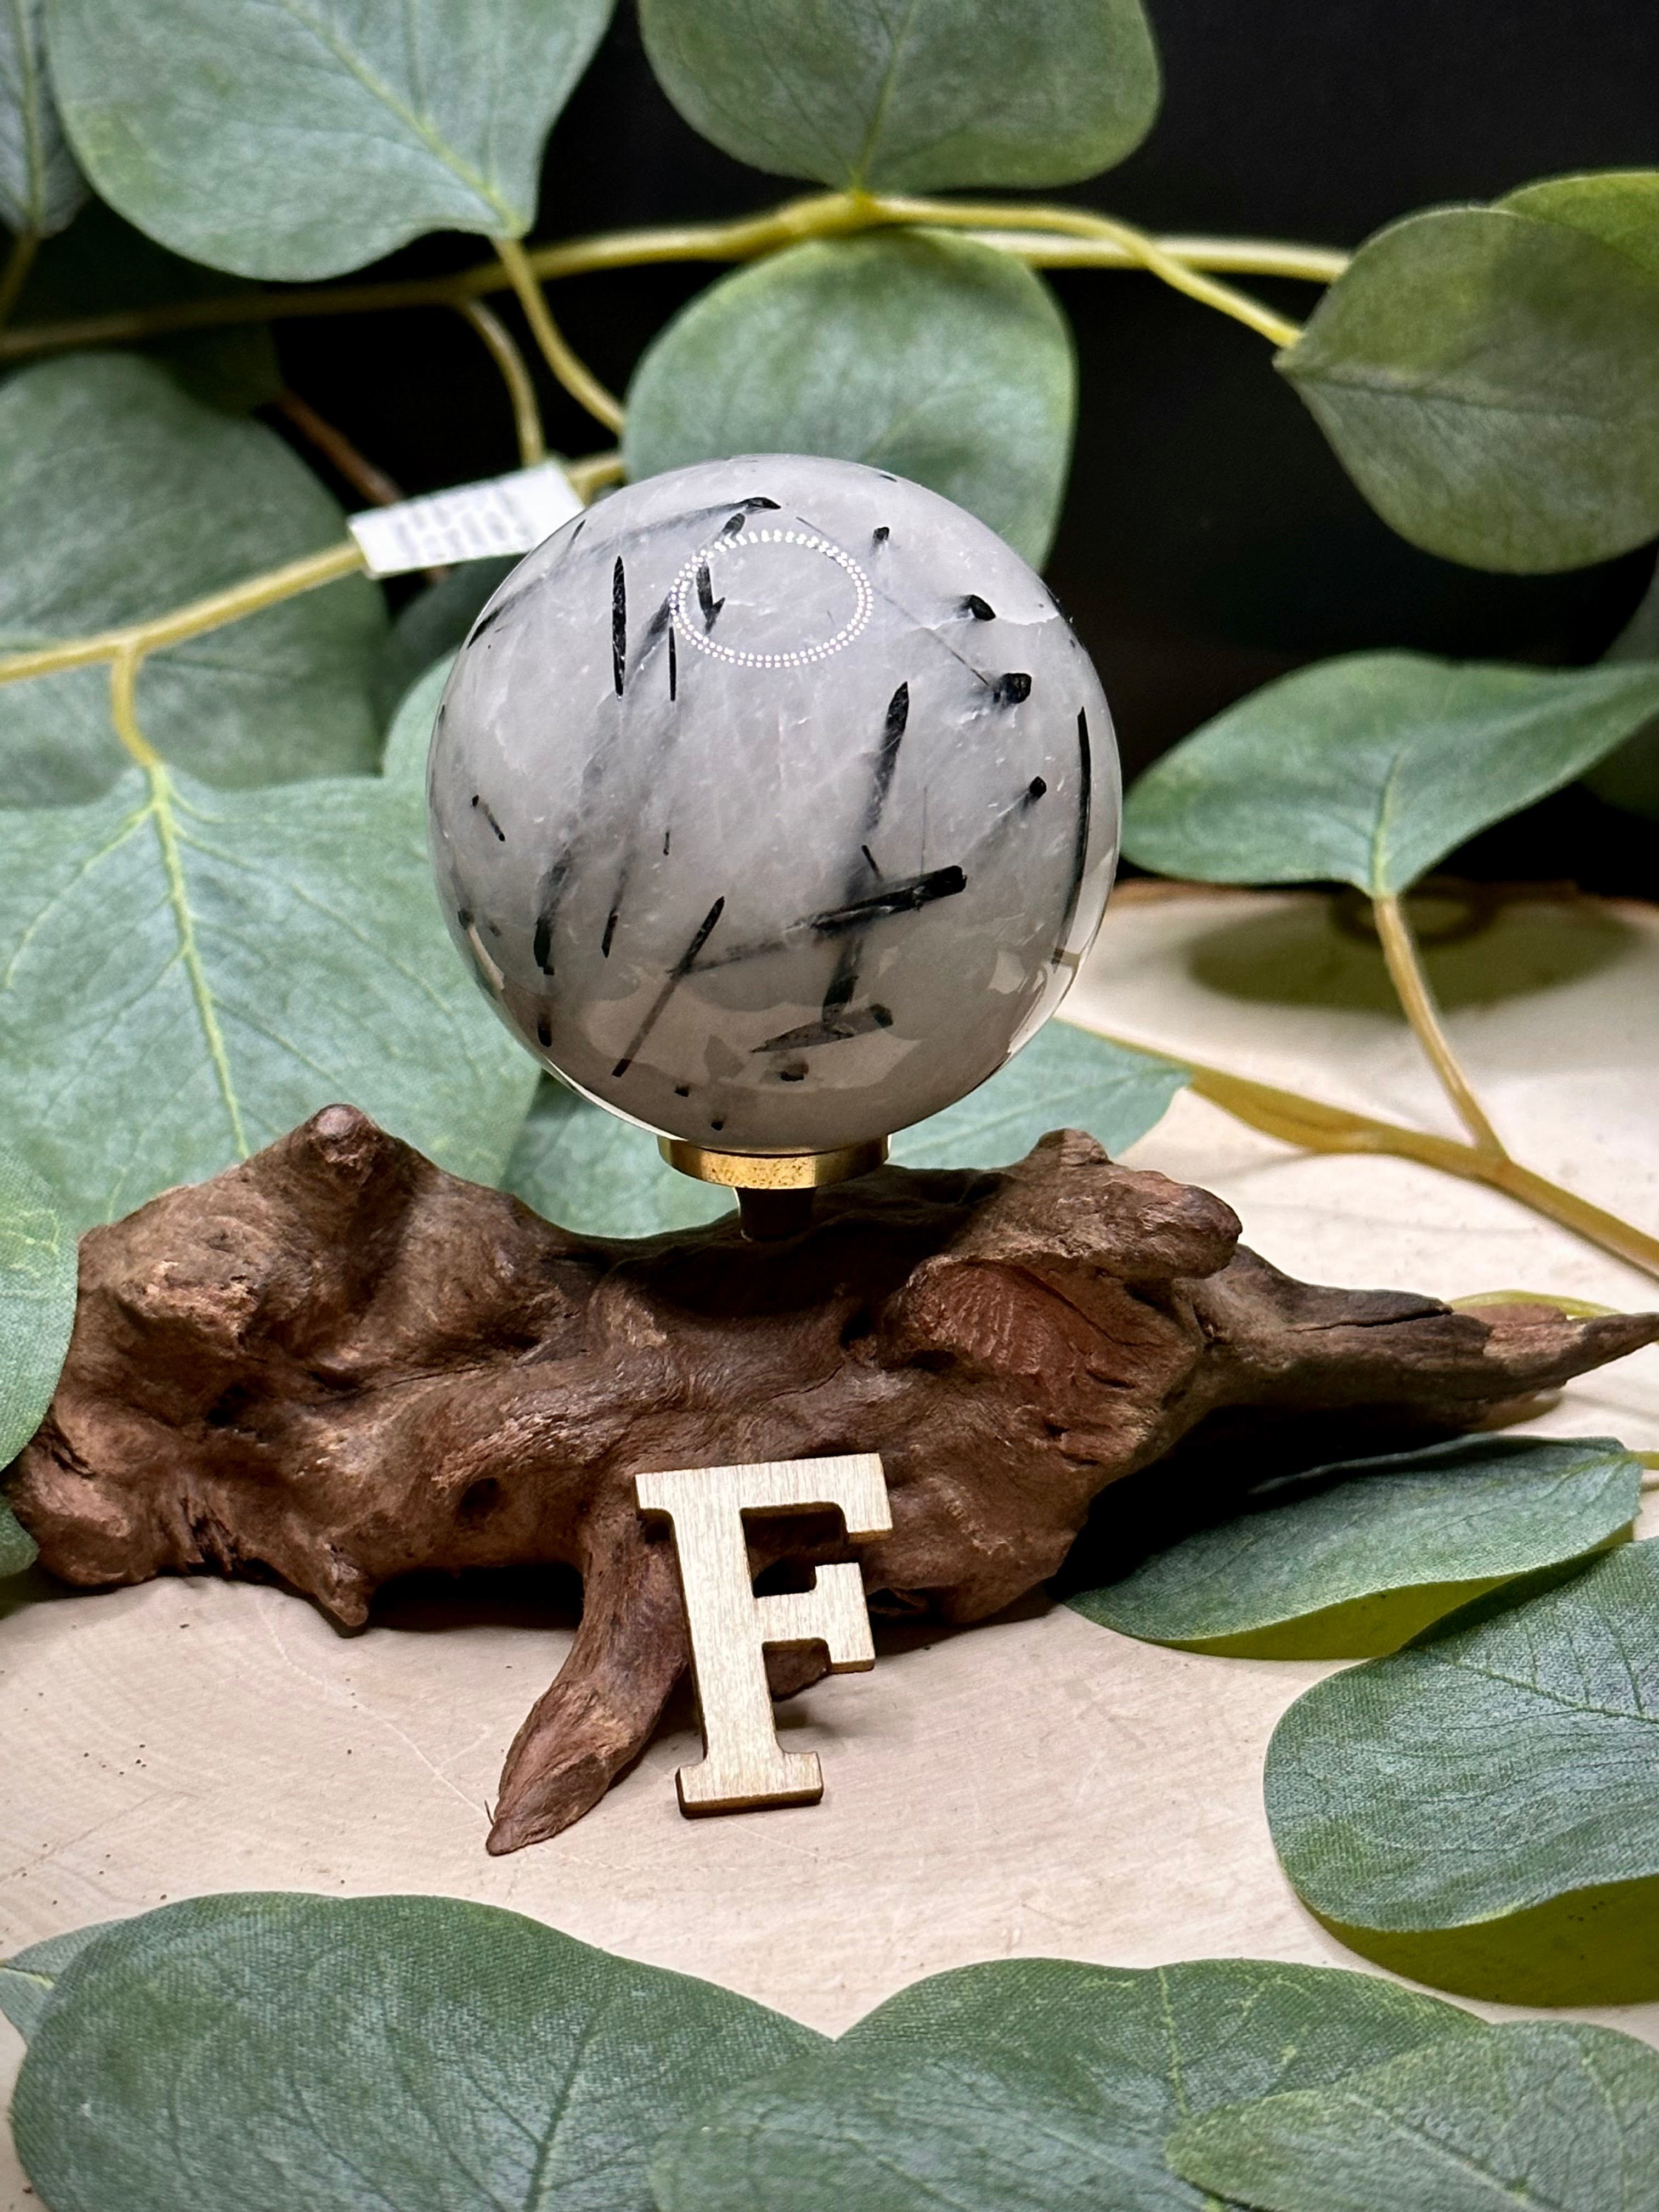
1048, 237
1405, 973
593, 473
1138, 248
578, 380
128, 645
123, 707
1222, 256
1314, 1126
521, 391
190, 620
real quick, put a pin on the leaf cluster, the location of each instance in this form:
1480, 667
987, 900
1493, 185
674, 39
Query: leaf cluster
1486, 374
1475, 1806
215, 916
286, 2052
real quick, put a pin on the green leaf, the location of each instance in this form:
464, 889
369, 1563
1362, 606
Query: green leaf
1034, 2085
1480, 1810
1620, 206
1629, 776
18, 1549
939, 359
41, 188
434, 624
29, 1979
38, 1277
102, 266
187, 973
1064, 1079
1355, 1558
1490, 382
1552, 2114
297, 140
409, 740
935, 93
578, 1165
589, 1171
1639, 638
288, 2053
1370, 769
120, 498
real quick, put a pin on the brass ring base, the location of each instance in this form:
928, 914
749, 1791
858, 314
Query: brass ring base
772, 1170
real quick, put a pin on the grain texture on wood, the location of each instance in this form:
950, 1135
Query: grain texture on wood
337, 1364
731, 1629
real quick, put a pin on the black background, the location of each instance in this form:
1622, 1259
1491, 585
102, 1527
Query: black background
1209, 540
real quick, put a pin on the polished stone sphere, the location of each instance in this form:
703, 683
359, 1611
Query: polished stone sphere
774, 803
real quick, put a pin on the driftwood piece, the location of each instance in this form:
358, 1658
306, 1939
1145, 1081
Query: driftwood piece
337, 1364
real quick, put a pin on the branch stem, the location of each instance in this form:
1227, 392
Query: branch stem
359, 471
135, 640
1315, 1127
123, 707
1229, 256
521, 388
1139, 249
212, 612
1046, 236
592, 473
1405, 973
578, 380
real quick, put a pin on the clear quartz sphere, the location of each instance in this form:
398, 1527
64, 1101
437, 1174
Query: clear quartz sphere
775, 803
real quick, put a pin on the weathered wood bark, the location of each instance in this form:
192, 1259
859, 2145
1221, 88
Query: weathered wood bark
337, 1364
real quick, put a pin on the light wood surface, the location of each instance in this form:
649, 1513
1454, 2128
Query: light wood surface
743, 1767
1033, 1787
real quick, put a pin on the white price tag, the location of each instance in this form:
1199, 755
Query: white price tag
505, 514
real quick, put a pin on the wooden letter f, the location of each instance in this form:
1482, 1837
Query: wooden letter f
730, 1626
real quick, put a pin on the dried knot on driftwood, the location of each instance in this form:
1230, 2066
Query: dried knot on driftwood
337, 1364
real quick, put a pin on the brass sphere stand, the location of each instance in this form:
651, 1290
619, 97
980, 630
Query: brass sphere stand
774, 1189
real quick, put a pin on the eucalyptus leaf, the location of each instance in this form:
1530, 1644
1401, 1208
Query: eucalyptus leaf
121, 498
409, 740
1370, 769
1064, 1079
288, 2053
38, 1272
1353, 1560
585, 1169
29, 1979
1620, 206
298, 140
187, 973
1480, 1810
938, 93
1553, 2114
18, 1549
41, 191
1490, 382
1034, 2085
433, 624
576, 1164
1629, 776
1639, 638
937, 358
